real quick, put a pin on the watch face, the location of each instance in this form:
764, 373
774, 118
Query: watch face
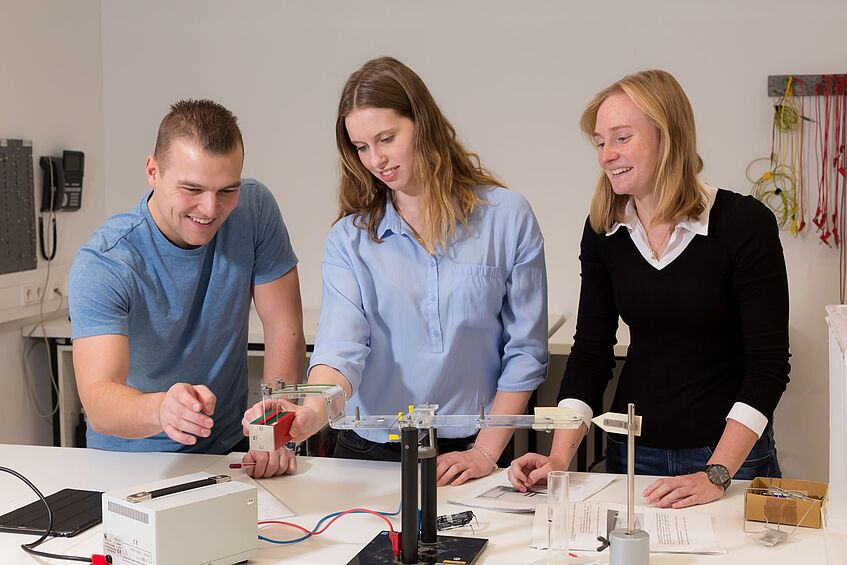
718, 474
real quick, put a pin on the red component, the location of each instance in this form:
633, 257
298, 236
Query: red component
282, 429
100, 559
269, 415
280, 421
395, 542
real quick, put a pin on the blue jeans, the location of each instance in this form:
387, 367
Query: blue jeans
761, 462
351, 445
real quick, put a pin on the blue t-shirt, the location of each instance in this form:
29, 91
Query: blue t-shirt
185, 311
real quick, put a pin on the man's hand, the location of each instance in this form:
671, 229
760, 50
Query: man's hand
184, 412
269, 463
682, 491
456, 467
532, 468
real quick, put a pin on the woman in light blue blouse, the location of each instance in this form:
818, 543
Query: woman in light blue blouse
434, 283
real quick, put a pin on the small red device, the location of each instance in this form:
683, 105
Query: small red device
270, 431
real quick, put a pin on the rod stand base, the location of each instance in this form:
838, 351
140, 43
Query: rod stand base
458, 549
629, 549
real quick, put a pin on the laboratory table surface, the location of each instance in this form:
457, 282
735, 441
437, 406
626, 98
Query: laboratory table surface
325, 485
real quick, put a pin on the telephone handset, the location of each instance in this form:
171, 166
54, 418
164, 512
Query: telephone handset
62, 181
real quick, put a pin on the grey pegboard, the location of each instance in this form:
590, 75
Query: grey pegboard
808, 85
17, 207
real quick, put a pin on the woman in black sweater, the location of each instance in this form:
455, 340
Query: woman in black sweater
698, 275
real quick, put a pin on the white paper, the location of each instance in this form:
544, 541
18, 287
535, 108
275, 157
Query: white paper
670, 531
495, 492
583, 485
270, 507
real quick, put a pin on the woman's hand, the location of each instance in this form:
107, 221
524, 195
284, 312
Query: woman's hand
531, 468
308, 419
257, 410
456, 467
682, 491
689, 490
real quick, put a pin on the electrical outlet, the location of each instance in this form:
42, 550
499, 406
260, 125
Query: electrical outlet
31, 294
54, 291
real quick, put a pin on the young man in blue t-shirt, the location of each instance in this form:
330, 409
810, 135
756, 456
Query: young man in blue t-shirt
160, 298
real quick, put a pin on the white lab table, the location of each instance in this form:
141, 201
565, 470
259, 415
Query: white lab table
325, 485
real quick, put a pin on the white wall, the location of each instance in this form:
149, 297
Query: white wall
52, 94
513, 77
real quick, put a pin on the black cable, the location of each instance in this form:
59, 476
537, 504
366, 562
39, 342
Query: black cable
30, 547
42, 243
52, 209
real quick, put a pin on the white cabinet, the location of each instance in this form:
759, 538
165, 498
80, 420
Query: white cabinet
837, 507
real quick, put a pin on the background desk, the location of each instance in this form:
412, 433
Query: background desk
58, 334
326, 485
561, 342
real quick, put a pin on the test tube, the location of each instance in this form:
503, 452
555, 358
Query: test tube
558, 532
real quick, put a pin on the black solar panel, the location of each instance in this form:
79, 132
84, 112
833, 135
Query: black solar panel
73, 511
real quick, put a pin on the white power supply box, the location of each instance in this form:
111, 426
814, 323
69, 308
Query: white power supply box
197, 519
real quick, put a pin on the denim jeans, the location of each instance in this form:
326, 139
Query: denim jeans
761, 462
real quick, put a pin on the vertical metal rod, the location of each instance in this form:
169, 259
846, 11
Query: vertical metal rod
409, 494
630, 469
429, 493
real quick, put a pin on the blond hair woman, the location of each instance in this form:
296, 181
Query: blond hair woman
698, 275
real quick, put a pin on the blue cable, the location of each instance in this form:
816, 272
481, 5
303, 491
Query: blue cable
328, 517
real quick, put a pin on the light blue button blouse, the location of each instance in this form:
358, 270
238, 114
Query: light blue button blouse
406, 328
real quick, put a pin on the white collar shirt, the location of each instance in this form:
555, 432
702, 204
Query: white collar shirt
683, 233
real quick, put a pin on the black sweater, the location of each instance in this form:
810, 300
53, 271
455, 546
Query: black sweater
709, 329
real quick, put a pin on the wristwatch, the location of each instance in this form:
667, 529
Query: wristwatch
718, 475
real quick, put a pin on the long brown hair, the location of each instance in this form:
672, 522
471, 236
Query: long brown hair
678, 192
448, 173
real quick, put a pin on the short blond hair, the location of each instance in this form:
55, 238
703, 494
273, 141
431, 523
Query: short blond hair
678, 192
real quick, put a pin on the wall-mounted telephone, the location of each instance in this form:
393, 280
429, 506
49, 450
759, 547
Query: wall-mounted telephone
62, 181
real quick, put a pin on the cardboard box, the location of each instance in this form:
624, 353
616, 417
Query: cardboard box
765, 503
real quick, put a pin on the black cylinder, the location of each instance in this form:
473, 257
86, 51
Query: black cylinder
429, 494
409, 494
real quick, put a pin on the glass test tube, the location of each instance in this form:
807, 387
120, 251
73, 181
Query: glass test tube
558, 532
